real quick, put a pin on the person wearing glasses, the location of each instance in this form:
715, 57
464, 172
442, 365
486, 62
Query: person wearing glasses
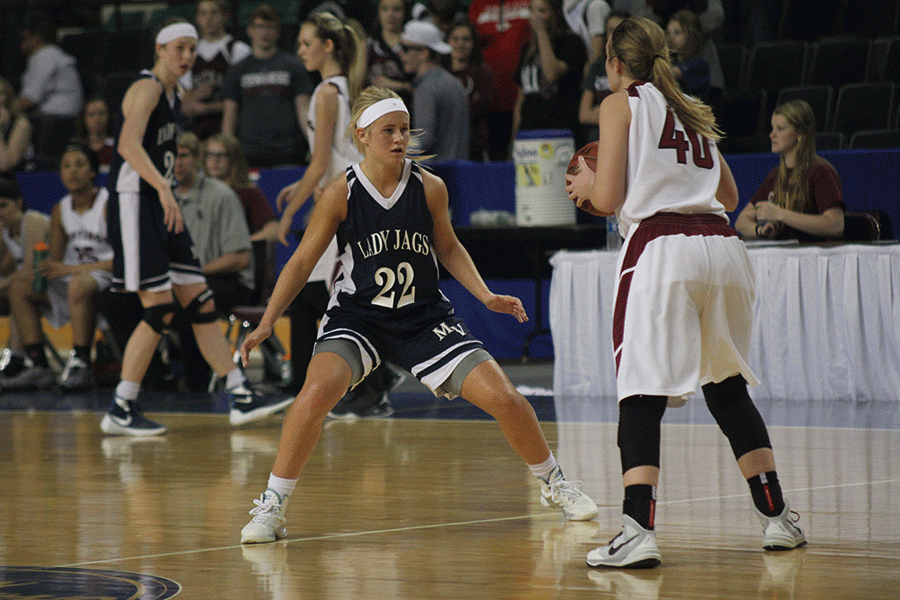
266, 97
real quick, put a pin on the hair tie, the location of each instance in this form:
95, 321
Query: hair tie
655, 56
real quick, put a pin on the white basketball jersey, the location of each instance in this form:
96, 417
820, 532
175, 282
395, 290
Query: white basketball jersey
670, 168
88, 241
343, 152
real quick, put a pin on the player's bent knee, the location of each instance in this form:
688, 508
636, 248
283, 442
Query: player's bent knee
159, 316
194, 310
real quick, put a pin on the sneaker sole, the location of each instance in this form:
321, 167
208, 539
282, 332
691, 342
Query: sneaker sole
278, 534
111, 428
781, 546
236, 417
571, 516
643, 560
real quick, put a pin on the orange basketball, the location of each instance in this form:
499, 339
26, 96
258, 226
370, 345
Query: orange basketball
589, 152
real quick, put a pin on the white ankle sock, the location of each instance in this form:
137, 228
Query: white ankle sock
234, 379
128, 390
284, 487
543, 470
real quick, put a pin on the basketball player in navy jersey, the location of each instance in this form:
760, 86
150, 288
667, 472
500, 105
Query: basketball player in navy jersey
392, 223
684, 300
154, 255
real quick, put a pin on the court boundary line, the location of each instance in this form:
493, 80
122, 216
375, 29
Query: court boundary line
542, 515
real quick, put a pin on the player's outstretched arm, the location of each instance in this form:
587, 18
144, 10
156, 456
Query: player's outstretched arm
456, 258
323, 224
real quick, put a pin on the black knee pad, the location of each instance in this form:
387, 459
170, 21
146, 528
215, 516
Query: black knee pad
156, 316
639, 430
192, 310
734, 411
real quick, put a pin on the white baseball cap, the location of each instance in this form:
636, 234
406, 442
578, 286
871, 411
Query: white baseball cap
423, 33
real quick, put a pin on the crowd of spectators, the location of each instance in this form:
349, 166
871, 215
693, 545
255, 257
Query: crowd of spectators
473, 74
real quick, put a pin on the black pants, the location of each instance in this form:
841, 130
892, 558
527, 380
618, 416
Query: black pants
305, 312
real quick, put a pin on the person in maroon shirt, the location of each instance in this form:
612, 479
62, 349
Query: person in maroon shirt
94, 129
223, 158
801, 198
467, 65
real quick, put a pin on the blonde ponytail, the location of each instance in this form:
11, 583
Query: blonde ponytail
641, 45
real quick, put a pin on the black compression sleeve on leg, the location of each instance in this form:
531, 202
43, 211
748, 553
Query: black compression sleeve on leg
734, 411
639, 430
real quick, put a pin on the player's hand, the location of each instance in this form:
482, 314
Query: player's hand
508, 305
253, 340
285, 195
579, 186
284, 227
171, 213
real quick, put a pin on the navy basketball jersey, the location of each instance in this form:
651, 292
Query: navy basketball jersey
388, 266
163, 128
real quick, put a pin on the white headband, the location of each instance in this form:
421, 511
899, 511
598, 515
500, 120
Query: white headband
175, 31
379, 109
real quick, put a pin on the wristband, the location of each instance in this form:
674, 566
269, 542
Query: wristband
758, 234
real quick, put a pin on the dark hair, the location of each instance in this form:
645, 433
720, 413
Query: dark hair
376, 32
81, 131
41, 24
9, 187
267, 13
79, 146
475, 57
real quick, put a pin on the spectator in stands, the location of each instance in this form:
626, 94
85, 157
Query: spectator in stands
94, 129
213, 214
224, 159
504, 29
686, 41
79, 266
385, 68
801, 198
217, 50
595, 87
15, 131
588, 18
467, 64
550, 72
440, 106
21, 230
51, 84
443, 13
266, 97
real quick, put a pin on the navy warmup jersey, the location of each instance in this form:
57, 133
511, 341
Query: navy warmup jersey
163, 128
388, 266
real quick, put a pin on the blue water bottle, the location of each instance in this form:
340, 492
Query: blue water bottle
613, 238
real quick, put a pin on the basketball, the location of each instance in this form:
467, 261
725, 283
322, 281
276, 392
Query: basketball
589, 152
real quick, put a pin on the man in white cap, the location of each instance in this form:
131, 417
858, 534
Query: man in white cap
440, 105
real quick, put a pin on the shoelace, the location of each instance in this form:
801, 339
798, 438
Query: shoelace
567, 489
264, 507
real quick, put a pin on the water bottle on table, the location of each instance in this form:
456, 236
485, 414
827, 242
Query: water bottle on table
613, 238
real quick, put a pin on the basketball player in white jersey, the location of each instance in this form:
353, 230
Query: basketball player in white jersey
392, 222
684, 300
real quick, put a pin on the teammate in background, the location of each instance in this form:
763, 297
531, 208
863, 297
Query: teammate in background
684, 300
801, 198
153, 252
76, 270
20, 229
393, 224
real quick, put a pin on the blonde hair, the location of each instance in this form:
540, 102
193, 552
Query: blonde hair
349, 49
190, 142
640, 44
792, 190
238, 176
367, 98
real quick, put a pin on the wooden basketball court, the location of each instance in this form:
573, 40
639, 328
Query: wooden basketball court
440, 508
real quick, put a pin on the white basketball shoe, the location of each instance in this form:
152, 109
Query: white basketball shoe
267, 524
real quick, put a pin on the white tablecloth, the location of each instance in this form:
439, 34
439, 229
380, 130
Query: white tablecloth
826, 322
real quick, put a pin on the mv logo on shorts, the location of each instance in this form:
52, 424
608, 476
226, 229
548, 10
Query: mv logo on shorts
445, 329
